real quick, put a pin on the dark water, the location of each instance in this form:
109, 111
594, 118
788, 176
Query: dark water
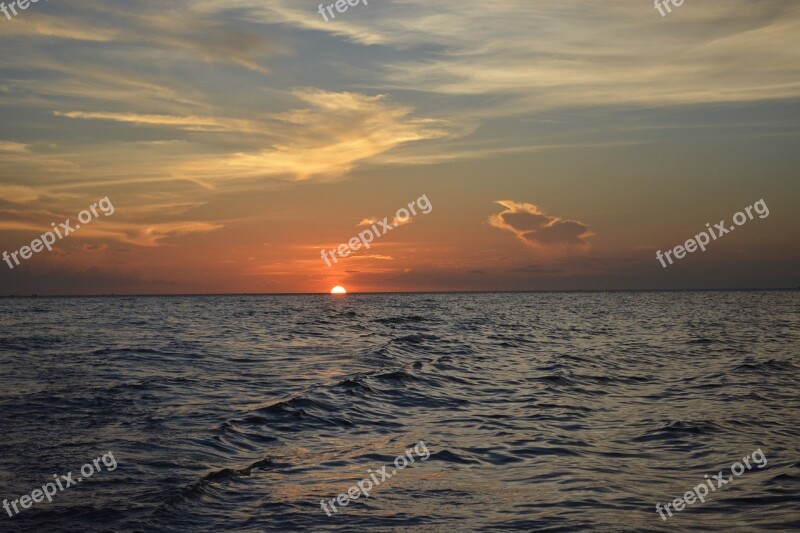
556, 412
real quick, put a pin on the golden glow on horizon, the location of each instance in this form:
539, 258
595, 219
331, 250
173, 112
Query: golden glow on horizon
338, 290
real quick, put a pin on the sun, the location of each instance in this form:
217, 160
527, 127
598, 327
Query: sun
338, 290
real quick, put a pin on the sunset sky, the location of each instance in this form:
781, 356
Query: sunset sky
561, 144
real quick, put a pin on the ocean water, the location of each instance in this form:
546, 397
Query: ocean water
540, 411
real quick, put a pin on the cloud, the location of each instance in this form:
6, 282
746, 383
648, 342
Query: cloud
188, 123
545, 55
95, 247
539, 230
19, 194
22, 194
326, 139
39, 24
176, 27
147, 235
394, 222
291, 12
36, 222
377, 257
9, 146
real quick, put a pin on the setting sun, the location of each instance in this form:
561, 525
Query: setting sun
338, 290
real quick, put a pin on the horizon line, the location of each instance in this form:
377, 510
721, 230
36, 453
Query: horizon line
155, 295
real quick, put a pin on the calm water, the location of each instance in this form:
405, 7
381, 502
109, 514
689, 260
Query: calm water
557, 412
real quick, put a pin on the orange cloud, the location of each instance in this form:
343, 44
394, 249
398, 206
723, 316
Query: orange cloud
139, 234
396, 222
19, 194
539, 230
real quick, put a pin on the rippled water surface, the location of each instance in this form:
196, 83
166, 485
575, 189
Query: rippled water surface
555, 411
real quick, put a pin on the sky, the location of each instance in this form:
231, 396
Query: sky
560, 144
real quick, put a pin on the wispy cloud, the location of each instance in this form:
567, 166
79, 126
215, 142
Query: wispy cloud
9, 146
22, 194
545, 55
176, 26
325, 139
188, 123
140, 234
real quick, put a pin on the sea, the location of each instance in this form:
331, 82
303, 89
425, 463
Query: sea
549, 411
